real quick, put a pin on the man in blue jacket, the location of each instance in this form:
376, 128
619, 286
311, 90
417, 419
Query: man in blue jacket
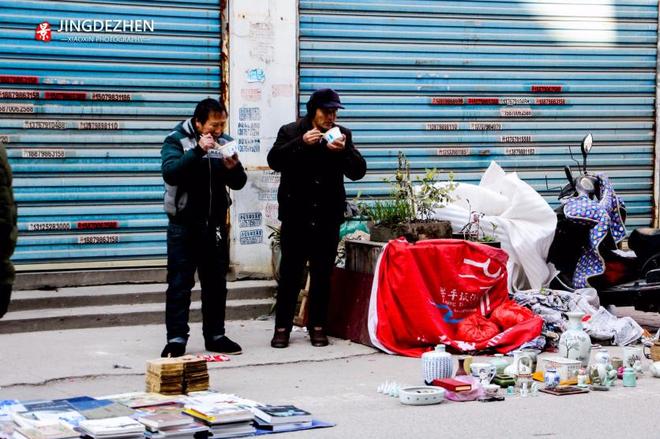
196, 202
311, 201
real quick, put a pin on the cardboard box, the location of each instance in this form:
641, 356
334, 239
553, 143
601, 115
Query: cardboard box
566, 368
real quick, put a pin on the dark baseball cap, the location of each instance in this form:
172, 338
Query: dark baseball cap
325, 98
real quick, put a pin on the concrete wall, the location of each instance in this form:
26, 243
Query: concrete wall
262, 97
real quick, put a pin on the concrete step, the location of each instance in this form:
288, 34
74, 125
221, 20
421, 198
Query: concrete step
122, 305
128, 294
119, 315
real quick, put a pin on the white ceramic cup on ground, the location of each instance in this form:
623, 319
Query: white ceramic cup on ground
491, 389
332, 134
484, 371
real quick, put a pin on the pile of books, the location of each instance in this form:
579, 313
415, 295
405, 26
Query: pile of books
281, 417
112, 428
195, 374
171, 425
150, 415
175, 376
225, 419
165, 375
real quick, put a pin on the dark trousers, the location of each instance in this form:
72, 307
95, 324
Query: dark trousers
301, 243
190, 248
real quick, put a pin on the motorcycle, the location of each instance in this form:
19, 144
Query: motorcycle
587, 245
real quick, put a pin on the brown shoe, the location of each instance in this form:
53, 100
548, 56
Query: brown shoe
280, 338
317, 337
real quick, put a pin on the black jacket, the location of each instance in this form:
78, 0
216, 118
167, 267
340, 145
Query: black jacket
195, 184
312, 181
8, 231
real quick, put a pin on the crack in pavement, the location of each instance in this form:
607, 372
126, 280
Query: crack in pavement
112, 375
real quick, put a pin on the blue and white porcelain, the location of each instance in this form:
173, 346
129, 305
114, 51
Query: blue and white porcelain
437, 364
551, 378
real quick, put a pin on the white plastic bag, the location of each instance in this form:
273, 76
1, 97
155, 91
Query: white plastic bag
523, 222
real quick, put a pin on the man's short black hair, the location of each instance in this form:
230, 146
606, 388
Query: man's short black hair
206, 107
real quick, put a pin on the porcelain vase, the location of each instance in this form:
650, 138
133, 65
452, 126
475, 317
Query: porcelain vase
574, 343
437, 364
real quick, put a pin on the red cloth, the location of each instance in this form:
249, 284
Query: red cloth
422, 291
476, 328
509, 314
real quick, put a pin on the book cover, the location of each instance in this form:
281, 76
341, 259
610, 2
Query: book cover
219, 413
47, 405
112, 426
141, 399
291, 426
49, 431
281, 414
452, 384
160, 421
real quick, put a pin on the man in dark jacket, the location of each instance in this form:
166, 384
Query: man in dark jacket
311, 200
196, 200
7, 232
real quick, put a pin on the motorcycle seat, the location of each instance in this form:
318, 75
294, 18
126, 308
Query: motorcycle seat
645, 242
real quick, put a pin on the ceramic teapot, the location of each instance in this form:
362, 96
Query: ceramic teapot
522, 364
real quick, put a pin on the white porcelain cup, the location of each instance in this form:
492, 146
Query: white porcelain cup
332, 134
228, 149
484, 371
632, 356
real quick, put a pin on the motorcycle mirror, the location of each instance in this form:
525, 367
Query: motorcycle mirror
586, 143
586, 147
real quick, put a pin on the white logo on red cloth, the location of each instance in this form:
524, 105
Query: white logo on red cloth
43, 32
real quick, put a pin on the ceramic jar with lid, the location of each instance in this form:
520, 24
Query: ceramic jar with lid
629, 377
436, 364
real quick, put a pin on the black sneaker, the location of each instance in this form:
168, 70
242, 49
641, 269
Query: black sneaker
223, 345
173, 350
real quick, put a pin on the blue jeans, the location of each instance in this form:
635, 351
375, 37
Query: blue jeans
193, 248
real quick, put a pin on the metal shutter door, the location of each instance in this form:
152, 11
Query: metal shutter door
84, 122
456, 84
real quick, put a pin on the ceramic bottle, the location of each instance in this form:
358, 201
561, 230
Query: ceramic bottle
499, 362
574, 343
437, 364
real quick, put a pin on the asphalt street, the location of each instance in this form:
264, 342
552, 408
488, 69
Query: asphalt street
337, 384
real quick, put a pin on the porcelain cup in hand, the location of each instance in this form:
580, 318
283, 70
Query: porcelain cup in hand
484, 371
228, 149
332, 134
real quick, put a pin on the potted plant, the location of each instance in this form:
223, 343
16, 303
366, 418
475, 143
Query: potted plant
474, 231
409, 212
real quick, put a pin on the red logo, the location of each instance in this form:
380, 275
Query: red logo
43, 32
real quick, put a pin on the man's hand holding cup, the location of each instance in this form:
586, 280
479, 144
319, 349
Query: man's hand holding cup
336, 140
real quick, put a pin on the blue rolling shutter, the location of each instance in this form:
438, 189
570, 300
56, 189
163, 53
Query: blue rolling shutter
84, 115
456, 84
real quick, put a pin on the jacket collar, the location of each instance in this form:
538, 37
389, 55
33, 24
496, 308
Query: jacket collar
189, 129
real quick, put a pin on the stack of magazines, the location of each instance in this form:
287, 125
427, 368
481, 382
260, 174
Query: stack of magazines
171, 426
281, 417
225, 419
112, 428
